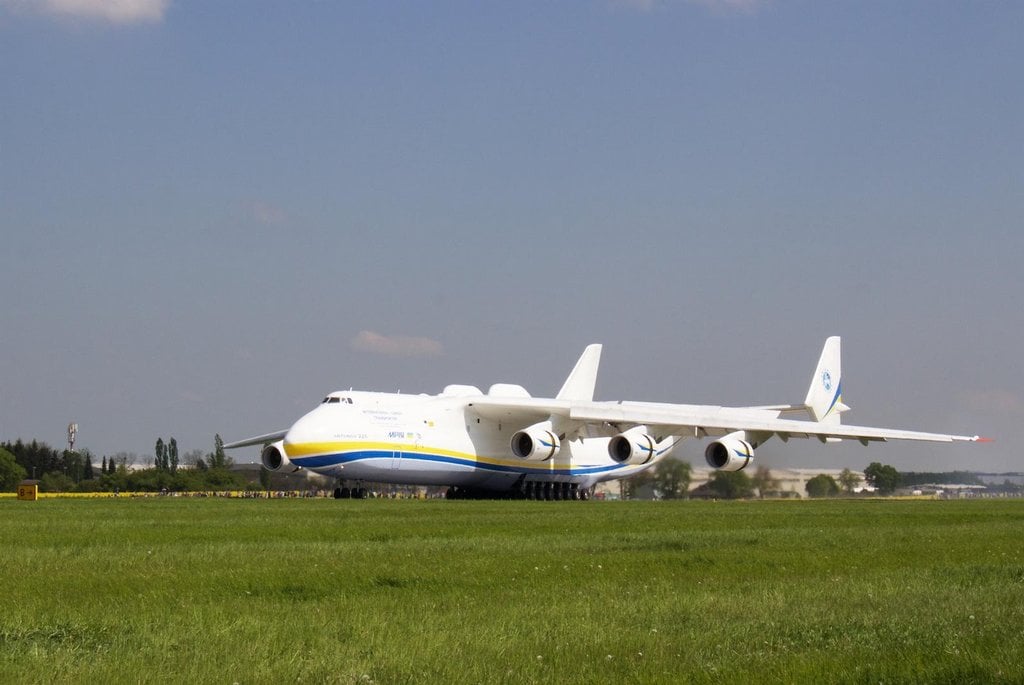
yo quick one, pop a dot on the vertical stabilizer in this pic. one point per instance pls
(580, 383)
(825, 395)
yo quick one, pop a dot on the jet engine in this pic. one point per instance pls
(633, 447)
(536, 443)
(274, 459)
(732, 452)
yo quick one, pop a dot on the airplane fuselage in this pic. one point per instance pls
(435, 440)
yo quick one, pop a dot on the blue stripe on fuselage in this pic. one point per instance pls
(341, 458)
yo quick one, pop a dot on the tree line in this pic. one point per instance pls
(75, 471)
(670, 479)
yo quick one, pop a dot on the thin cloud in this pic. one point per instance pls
(715, 6)
(638, 5)
(731, 6)
(1000, 402)
(396, 345)
(267, 214)
(191, 397)
(112, 11)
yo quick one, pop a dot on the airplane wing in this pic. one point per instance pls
(691, 420)
(258, 440)
(703, 421)
(574, 407)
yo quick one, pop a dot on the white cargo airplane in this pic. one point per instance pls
(509, 442)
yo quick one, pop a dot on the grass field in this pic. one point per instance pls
(168, 590)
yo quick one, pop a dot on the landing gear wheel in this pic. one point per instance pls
(337, 493)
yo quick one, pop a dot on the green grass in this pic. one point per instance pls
(168, 590)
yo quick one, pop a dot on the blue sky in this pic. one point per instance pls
(214, 213)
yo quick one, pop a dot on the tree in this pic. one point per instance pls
(35, 457)
(265, 478)
(628, 487)
(882, 477)
(124, 459)
(671, 478)
(218, 460)
(763, 481)
(159, 458)
(731, 484)
(11, 472)
(73, 466)
(103, 466)
(55, 481)
(822, 485)
(194, 458)
(172, 456)
(87, 471)
(849, 480)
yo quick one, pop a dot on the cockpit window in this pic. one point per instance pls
(337, 400)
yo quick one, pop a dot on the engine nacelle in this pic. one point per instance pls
(732, 452)
(274, 459)
(536, 443)
(633, 447)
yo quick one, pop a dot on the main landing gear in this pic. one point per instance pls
(351, 493)
(555, 491)
(530, 490)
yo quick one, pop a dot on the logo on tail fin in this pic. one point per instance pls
(826, 379)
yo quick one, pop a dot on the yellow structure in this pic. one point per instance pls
(28, 490)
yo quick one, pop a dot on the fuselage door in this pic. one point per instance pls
(409, 441)
(397, 438)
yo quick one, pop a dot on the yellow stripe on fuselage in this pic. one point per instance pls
(311, 449)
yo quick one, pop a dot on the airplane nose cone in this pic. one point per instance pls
(305, 431)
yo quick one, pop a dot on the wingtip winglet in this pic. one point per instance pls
(978, 438)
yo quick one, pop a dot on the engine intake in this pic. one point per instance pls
(733, 452)
(274, 459)
(633, 447)
(536, 443)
